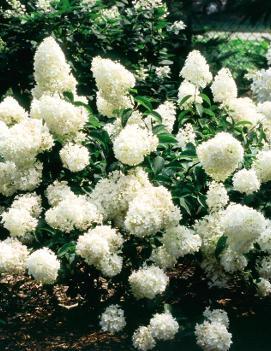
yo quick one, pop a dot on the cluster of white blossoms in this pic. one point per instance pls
(217, 196)
(75, 157)
(43, 265)
(242, 225)
(110, 13)
(246, 181)
(63, 119)
(263, 287)
(147, 4)
(186, 135)
(51, 71)
(261, 84)
(21, 219)
(45, 5)
(220, 156)
(188, 89)
(112, 319)
(224, 87)
(176, 27)
(151, 211)
(13, 256)
(196, 70)
(134, 143)
(11, 112)
(243, 109)
(162, 72)
(100, 247)
(213, 333)
(113, 82)
(262, 165)
(72, 212)
(167, 111)
(232, 261)
(148, 282)
(162, 326)
(179, 241)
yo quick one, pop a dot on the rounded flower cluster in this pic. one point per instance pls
(263, 287)
(212, 334)
(63, 119)
(186, 135)
(261, 84)
(99, 247)
(186, 89)
(13, 256)
(114, 82)
(143, 339)
(73, 212)
(11, 112)
(148, 282)
(43, 265)
(112, 319)
(262, 165)
(163, 326)
(224, 87)
(220, 156)
(242, 225)
(21, 218)
(150, 211)
(51, 71)
(162, 258)
(217, 196)
(246, 181)
(180, 241)
(75, 157)
(167, 111)
(134, 143)
(196, 70)
(243, 109)
(24, 141)
(233, 261)
(264, 267)
(265, 239)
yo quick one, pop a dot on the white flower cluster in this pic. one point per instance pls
(43, 265)
(242, 225)
(264, 267)
(150, 211)
(224, 87)
(44, 5)
(261, 84)
(21, 219)
(162, 71)
(176, 27)
(114, 82)
(17, 9)
(265, 239)
(112, 195)
(263, 287)
(75, 157)
(220, 156)
(196, 70)
(11, 112)
(188, 89)
(180, 241)
(246, 181)
(147, 4)
(262, 165)
(134, 143)
(70, 211)
(99, 247)
(112, 319)
(243, 109)
(63, 119)
(162, 326)
(148, 282)
(51, 71)
(186, 135)
(212, 334)
(217, 196)
(13, 256)
(233, 261)
(167, 111)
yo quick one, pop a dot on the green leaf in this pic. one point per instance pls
(125, 115)
(166, 138)
(158, 164)
(67, 248)
(199, 109)
(220, 246)
(206, 99)
(184, 99)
